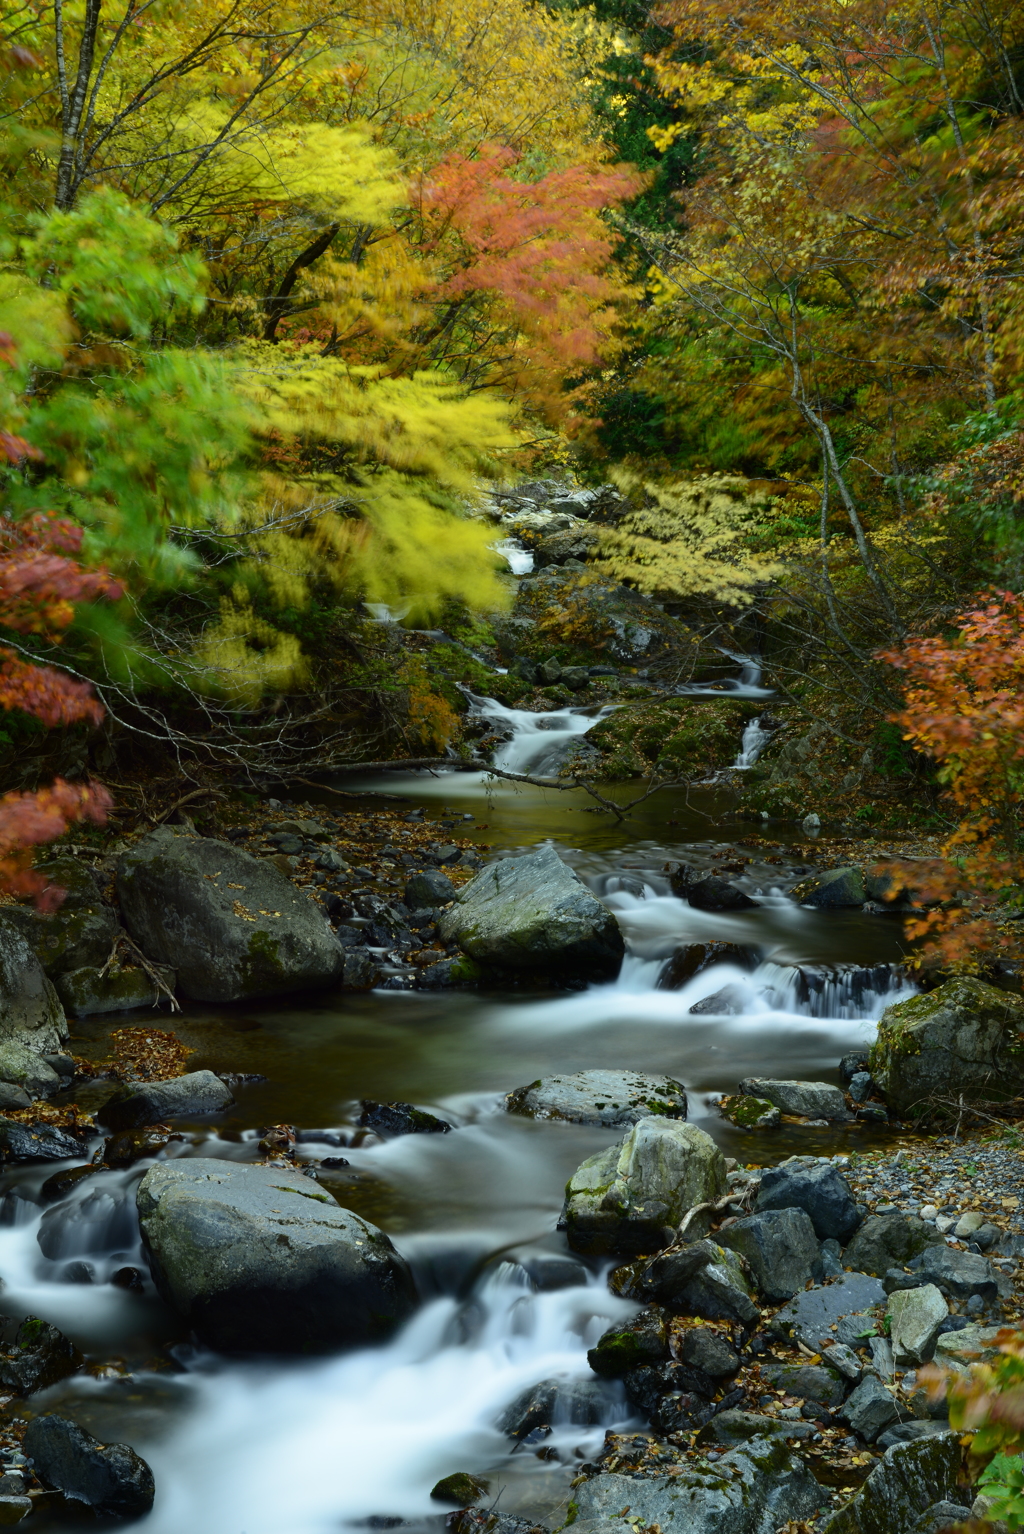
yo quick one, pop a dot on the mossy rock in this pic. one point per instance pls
(963, 1040)
(751, 1112)
(461, 1488)
(685, 736)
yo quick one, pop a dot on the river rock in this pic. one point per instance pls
(807, 1099)
(909, 1478)
(754, 1489)
(707, 1350)
(972, 1344)
(261, 1259)
(533, 913)
(965, 1038)
(91, 991)
(699, 1278)
(460, 1488)
(580, 1402)
(808, 1382)
(810, 1317)
(832, 890)
(780, 1249)
(111, 1478)
(231, 925)
(626, 1198)
(716, 894)
(36, 1142)
(696, 957)
(400, 1119)
(429, 889)
(151, 1102)
(750, 1112)
(941, 1516)
(915, 1316)
(819, 1189)
(730, 1001)
(632, 1344)
(30, 1010)
(612, 1098)
(735, 1427)
(22, 1067)
(870, 1408)
(75, 935)
(887, 1240)
(41, 1356)
(958, 1274)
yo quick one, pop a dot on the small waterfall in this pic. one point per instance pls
(746, 685)
(836, 990)
(753, 743)
(520, 560)
(538, 742)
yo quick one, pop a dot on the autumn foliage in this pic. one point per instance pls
(964, 706)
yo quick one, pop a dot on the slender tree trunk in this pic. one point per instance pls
(73, 100)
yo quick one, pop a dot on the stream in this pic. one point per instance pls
(305, 1447)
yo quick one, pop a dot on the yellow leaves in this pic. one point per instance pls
(337, 172)
(245, 656)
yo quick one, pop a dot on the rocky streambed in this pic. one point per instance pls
(506, 1170)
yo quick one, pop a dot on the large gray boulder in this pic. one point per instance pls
(699, 1278)
(964, 1039)
(30, 1011)
(915, 1317)
(231, 925)
(612, 1098)
(820, 1189)
(262, 1259)
(150, 1102)
(889, 1240)
(533, 913)
(812, 1317)
(753, 1489)
(780, 1248)
(807, 1099)
(627, 1199)
(909, 1478)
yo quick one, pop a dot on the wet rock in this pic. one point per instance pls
(360, 971)
(580, 1402)
(808, 1099)
(808, 1382)
(65, 1181)
(13, 1097)
(957, 1274)
(111, 1478)
(832, 890)
(885, 1240)
(461, 1488)
(820, 1190)
(753, 1489)
(448, 974)
(533, 913)
(707, 1350)
(915, 1317)
(13, 1509)
(429, 889)
(630, 1344)
(610, 1098)
(151, 1102)
(870, 1408)
(965, 1038)
(751, 1112)
(42, 1355)
(36, 1142)
(736, 1427)
(809, 1317)
(30, 1010)
(23, 1067)
(850, 1065)
(728, 1002)
(401, 1119)
(261, 1259)
(628, 1198)
(780, 1249)
(132, 1145)
(716, 894)
(698, 1279)
(696, 957)
(232, 925)
(840, 1357)
(91, 991)
(908, 1479)
(74, 936)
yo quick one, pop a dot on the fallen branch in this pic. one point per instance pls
(138, 958)
(620, 811)
(197, 793)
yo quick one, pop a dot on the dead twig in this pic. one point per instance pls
(137, 958)
(197, 793)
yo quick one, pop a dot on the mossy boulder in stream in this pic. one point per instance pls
(534, 914)
(231, 925)
(684, 737)
(628, 1199)
(965, 1038)
(259, 1259)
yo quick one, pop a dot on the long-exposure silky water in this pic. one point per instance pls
(257, 1446)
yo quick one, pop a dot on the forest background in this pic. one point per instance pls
(286, 286)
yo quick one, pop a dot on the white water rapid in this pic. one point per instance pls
(536, 743)
(753, 743)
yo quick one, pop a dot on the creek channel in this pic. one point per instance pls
(310, 1446)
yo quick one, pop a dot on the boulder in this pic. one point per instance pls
(30, 1011)
(870, 1408)
(754, 1489)
(832, 890)
(151, 1102)
(716, 894)
(887, 1240)
(429, 889)
(915, 1316)
(75, 935)
(400, 1119)
(696, 957)
(909, 1478)
(111, 1478)
(41, 1356)
(699, 1278)
(627, 1199)
(965, 1038)
(461, 1488)
(91, 991)
(751, 1112)
(735, 1427)
(808, 1382)
(707, 1350)
(631, 1344)
(958, 1274)
(941, 1516)
(730, 1001)
(533, 913)
(580, 1402)
(811, 1316)
(231, 925)
(36, 1142)
(819, 1189)
(261, 1259)
(780, 1249)
(971, 1344)
(807, 1099)
(612, 1098)
(22, 1067)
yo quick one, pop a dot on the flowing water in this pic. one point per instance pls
(306, 1447)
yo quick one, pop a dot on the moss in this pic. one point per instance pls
(683, 735)
(465, 971)
(750, 1112)
(262, 961)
